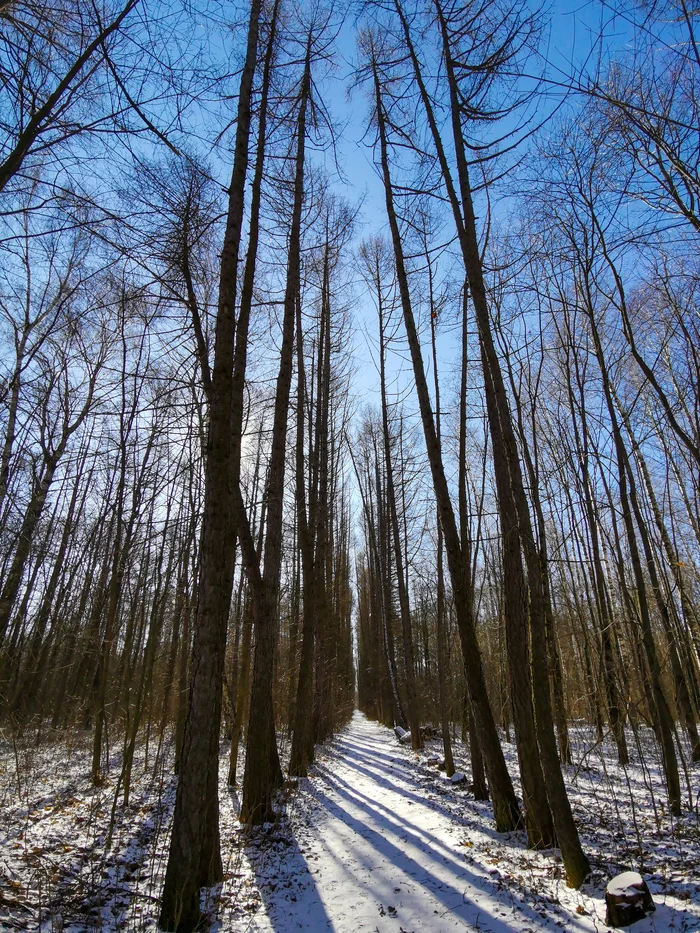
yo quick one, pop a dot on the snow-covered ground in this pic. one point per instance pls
(377, 840)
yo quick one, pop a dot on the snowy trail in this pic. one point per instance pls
(382, 849)
(380, 841)
(376, 839)
(376, 850)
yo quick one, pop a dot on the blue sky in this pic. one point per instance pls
(573, 28)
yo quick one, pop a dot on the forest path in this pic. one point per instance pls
(379, 845)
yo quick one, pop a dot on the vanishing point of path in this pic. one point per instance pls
(375, 848)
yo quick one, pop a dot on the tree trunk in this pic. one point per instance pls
(505, 805)
(263, 774)
(194, 858)
(404, 608)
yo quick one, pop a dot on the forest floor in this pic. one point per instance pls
(377, 839)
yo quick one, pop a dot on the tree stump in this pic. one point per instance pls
(627, 899)
(401, 734)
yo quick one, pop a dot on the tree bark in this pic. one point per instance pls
(194, 858)
(505, 805)
(263, 774)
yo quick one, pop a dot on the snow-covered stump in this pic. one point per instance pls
(401, 734)
(627, 899)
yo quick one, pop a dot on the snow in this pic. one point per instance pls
(628, 884)
(376, 839)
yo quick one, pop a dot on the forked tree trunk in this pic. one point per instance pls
(194, 858)
(505, 805)
(263, 774)
(512, 498)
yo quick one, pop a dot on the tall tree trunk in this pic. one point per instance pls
(440, 614)
(683, 697)
(513, 507)
(302, 741)
(469, 548)
(322, 573)
(404, 608)
(243, 680)
(505, 805)
(603, 613)
(630, 510)
(263, 774)
(194, 858)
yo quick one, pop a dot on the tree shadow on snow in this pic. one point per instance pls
(285, 881)
(477, 809)
(426, 860)
(435, 868)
